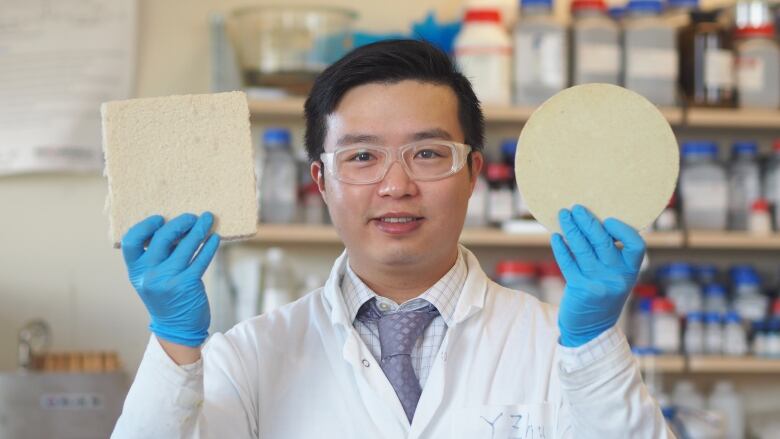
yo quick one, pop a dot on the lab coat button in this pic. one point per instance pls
(366, 363)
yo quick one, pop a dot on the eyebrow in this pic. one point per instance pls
(433, 133)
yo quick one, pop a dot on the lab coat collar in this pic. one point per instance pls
(471, 300)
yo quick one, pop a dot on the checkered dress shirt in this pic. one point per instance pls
(443, 295)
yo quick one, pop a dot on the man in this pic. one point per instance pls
(408, 338)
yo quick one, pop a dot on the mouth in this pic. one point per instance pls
(398, 223)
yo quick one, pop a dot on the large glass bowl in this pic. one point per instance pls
(287, 46)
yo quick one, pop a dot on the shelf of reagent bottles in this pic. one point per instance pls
(478, 237)
(731, 240)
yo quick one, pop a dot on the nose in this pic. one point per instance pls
(397, 183)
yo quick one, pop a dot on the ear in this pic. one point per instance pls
(477, 162)
(317, 173)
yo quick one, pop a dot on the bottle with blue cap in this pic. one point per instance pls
(713, 333)
(734, 337)
(703, 187)
(748, 296)
(706, 274)
(744, 183)
(693, 338)
(540, 54)
(278, 179)
(715, 298)
(682, 289)
(650, 53)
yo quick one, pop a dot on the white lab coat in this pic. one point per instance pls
(302, 371)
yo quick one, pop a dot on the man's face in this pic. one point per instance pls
(392, 115)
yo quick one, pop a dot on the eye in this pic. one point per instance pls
(427, 154)
(360, 156)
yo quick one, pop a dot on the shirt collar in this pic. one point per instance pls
(443, 294)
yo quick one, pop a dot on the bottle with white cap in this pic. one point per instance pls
(595, 49)
(483, 52)
(650, 53)
(540, 54)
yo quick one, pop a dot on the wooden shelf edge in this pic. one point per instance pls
(732, 118)
(662, 363)
(731, 240)
(721, 364)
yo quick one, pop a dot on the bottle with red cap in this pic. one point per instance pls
(666, 326)
(483, 52)
(758, 56)
(519, 276)
(595, 48)
(770, 186)
(500, 205)
(760, 220)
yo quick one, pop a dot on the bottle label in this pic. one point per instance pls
(651, 63)
(598, 59)
(540, 59)
(500, 205)
(718, 68)
(704, 196)
(488, 69)
(750, 73)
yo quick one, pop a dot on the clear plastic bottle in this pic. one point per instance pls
(279, 181)
(693, 339)
(278, 281)
(642, 324)
(725, 401)
(703, 187)
(650, 53)
(483, 52)
(715, 299)
(682, 290)
(518, 276)
(734, 337)
(540, 54)
(748, 297)
(771, 182)
(595, 44)
(666, 326)
(713, 334)
(744, 183)
(758, 56)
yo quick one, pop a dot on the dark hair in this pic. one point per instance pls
(389, 62)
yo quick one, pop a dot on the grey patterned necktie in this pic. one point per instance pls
(398, 332)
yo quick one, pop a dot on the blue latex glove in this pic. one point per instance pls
(599, 276)
(166, 276)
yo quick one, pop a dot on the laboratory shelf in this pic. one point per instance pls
(720, 364)
(478, 237)
(732, 118)
(292, 107)
(732, 240)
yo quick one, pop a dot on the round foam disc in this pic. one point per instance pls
(601, 146)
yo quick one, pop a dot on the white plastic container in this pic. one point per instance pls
(693, 339)
(749, 300)
(758, 67)
(703, 187)
(595, 47)
(279, 181)
(725, 401)
(540, 54)
(650, 53)
(744, 183)
(519, 276)
(483, 52)
(760, 218)
(685, 395)
(666, 326)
